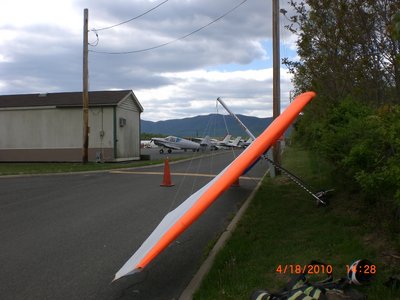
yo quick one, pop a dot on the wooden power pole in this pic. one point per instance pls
(276, 77)
(85, 152)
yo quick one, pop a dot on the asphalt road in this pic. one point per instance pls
(65, 236)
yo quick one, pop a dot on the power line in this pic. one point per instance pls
(175, 40)
(134, 18)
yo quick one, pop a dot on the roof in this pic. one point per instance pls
(69, 99)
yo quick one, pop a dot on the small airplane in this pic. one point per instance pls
(176, 143)
(233, 144)
(212, 144)
(247, 143)
(206, 143)
(219, 144)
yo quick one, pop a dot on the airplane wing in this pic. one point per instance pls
(170, 145)
(178, 220)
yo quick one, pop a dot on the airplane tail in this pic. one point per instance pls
(206, 141)
(226, 139)
(236, 141)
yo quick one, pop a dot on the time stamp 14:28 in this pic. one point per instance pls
(323, 269)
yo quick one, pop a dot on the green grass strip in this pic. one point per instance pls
(283, 226)
(45, 168)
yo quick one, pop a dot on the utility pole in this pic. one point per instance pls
(276, 90)
(85, 94)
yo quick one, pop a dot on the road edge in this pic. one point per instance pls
(106, 170)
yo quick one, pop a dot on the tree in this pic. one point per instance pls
(349, 55)
(345, 48)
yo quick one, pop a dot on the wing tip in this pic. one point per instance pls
(118, 276)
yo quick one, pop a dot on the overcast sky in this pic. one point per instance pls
(41, 51)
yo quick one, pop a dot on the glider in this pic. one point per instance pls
(178, 220)
(319, 196)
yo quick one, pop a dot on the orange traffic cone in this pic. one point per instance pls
(167, 175)
(236, 183)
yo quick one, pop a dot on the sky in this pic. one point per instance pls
(41, 49)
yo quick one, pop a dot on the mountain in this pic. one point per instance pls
(212, 125)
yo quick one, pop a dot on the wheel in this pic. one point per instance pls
(161, 151)
(169, 150)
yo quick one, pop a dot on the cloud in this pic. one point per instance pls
(41, 51)
(195, 92)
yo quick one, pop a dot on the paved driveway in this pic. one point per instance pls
(65, 236)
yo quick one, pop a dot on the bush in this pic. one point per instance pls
(380, 177)
(363, 144)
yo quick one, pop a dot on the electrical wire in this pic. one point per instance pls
(175, 40)
(97, 39)
(134, 18)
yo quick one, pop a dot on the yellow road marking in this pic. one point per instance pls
(178, 174)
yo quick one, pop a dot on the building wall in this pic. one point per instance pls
(56, 134)
(101, 133)
(128, 135)
(40, 128)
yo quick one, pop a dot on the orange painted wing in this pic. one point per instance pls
(178, 220)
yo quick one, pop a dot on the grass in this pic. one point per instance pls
(23, 168)
(283, 226)
(45, 168)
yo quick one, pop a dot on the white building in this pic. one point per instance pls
(49, 127)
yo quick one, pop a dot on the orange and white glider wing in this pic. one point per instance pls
(178, 220)
(137, 261)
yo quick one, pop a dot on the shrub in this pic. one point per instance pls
(363, 144)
